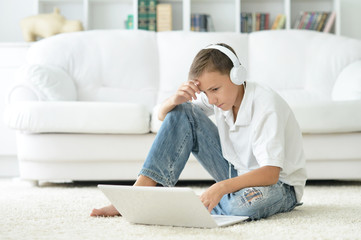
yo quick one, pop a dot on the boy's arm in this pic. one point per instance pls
(186, 92)
(263, 176)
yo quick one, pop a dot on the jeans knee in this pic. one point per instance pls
(179, 110)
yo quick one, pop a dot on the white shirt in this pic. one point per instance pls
(265, 133)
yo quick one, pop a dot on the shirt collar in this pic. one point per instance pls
(244, 115)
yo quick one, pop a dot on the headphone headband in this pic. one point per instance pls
(238, 73)
(227, 52)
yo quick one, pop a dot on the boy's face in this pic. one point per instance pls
(219, 89)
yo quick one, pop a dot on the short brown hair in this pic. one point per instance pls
(211, 60)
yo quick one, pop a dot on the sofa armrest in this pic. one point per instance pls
(348, 83)
(42, 83)
(77, 117)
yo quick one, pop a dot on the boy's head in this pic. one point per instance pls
(211, 68)
(211, 60)
(208, 61)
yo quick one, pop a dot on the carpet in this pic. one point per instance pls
(331, 210)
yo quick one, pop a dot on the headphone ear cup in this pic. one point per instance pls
(238, 75)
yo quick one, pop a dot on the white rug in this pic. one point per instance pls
(61, 211)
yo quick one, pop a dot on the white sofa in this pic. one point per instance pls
(83, 104)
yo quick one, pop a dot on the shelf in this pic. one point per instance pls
(221, 22)
(273, 7)
(225, 14)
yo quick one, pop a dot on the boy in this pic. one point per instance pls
(254, 154)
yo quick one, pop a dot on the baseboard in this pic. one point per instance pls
(9, 166)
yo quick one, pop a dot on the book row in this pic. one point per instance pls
(318, 21)
(202, 23)
(251, 22)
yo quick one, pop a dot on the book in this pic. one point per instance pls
(266, 24)
(310, 20)
(282, 22)
(305, 20)
(302, 21)
(298, 20)
(314, 21)
(210, 25)
(276, 22)
(201, 22)
(152, 15)
(164, 17)
(318, 20)
(258, 21)
(330, 22)
(142, 14)
(321, 26)
(244, 22)
(251, 22)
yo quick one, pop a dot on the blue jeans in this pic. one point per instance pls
(185, 130)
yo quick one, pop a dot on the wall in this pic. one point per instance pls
(351, 17)
(11, 12)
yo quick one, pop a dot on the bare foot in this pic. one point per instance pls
(108, 211)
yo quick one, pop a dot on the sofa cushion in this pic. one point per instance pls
(46, 82)
(177, 50)
(348, 83)
(78, 117)
(106, 65)
(329, 116)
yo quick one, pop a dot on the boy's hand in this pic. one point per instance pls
(186, 92)
(212, 196)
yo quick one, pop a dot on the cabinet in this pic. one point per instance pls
(225, 14)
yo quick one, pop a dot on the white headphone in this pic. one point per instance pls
(238, 73)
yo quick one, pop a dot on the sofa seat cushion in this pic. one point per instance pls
(78, 117)
(329, 116)
(313, 117)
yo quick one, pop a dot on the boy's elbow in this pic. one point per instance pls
(161, 117)
(274, 174)
(275, 179)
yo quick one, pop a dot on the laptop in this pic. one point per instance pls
(174, 206)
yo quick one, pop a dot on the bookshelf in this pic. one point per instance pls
(225, 14)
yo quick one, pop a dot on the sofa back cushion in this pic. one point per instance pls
(106, 65)
(303, 63)
(177, 50)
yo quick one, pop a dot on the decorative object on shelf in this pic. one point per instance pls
(129, 23)
(202, 23)
(164, 17)
(46, 25)
(251, 22)
(318, 21)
